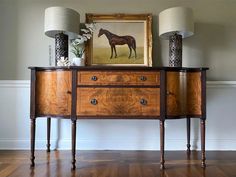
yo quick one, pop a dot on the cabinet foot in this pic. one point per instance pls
(73, 166)
(188, 149)
(203, 164)
(32, 161)
(48, 148)
(162, 166)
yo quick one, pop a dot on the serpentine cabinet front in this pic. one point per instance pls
(159, 93)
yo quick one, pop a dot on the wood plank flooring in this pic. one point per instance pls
(117, 164)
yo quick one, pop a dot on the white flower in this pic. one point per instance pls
(85, 39)
(85, 30)
(63, 62)
(88, 36)
(77, 44)
(79, 40)
(90, 26)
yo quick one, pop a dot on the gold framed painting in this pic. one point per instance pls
(120, 40)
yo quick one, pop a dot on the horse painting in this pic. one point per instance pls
(114, 40)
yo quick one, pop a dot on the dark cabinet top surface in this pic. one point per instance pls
(107, 68)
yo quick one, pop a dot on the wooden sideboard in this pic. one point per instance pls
(159, 93)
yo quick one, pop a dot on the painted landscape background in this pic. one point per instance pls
(102, 50)
(102, 56)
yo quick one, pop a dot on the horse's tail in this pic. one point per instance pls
(134, 43)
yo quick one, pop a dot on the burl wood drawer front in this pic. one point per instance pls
(183, 93)
(118, 101)
(118, 78)
(53, 92)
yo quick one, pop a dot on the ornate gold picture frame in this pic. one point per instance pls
(120, 40)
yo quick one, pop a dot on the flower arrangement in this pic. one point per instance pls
(63, 62)
(78, 44)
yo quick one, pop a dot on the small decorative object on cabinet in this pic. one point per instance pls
(77, 45)
(174, 24)
(78, 61)
(142, 92)
(63, 62)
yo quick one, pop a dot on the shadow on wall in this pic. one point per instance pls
(204, 46)
(200, 47)
(156, 54)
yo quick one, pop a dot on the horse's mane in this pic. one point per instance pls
(110, 32)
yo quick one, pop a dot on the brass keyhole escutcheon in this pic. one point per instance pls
(94, 78)
(143, 78)
(94, 102)
(143, 102)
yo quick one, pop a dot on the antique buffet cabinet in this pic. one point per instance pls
(158, 93)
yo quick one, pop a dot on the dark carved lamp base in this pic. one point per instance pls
(175, 50)
(61, 46)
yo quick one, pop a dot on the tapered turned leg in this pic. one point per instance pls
(203, 130)
(162, 143)
(32, 141)
(188, 135)
(48, 133)
(73, 143)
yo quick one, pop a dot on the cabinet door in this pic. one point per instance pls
(194, 94)
(184, 94)
(53, 90)
(176, 93)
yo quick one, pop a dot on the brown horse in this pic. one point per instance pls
(119, 40)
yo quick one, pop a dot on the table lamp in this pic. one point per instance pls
(62, 24)
(174, 24)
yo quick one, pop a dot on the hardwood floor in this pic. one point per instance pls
(117, 164)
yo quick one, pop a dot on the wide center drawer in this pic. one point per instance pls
(118, 101)
(118, 78)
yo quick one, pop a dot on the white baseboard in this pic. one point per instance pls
(170, 144)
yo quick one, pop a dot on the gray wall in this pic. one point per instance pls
(24, 44)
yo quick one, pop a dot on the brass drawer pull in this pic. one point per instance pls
(94, 102)
(143, 102)
(94, 78)
(143, 78)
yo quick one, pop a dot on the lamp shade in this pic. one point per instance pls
(61, 20)
(176, 20)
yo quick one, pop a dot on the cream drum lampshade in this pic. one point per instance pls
(61, 23)
(174, 24)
